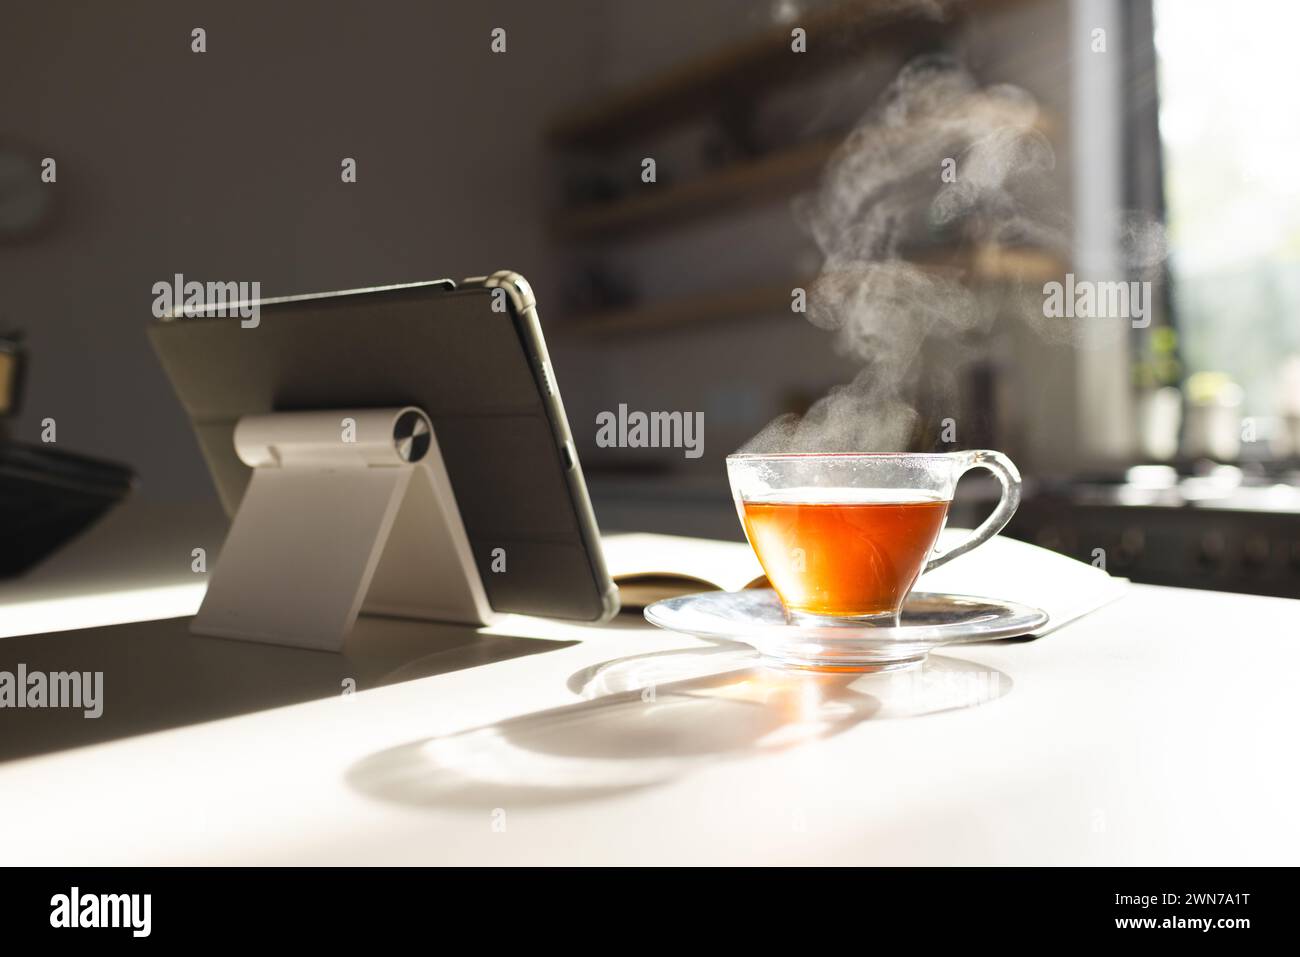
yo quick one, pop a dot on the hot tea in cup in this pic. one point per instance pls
(844, 537)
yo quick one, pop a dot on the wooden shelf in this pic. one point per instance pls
(743, 72)
(991, 263)
(762, 180)
(743, 303)
(979, 265)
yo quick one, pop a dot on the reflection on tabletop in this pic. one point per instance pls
(648, 719)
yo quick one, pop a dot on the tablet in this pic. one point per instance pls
(471, 355)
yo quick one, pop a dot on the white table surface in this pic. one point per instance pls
(1159, 730)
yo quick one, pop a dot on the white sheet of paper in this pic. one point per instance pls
(1016, 571)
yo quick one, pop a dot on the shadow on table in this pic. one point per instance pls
(649, 719)
(156, 675)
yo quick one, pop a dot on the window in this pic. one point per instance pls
(1230, 128)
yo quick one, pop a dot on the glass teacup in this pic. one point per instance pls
(843, 537)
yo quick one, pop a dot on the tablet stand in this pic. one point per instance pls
(347, 511)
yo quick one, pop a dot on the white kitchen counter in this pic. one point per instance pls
(1158, 730)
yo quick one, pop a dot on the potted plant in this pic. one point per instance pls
(1159, 402)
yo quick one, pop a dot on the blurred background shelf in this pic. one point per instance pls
(976, 264)
(709, 307)
(763, 179)
(744, 71)
(991, 263)
(766, 179)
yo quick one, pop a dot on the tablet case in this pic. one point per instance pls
(479, 371)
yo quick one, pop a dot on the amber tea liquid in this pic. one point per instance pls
(844, 553)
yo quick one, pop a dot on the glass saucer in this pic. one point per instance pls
(929, 620)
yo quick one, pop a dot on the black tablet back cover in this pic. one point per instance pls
(446, 351)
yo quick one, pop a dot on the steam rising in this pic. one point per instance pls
(881, 212)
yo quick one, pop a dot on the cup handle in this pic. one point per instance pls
(1008, 477)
